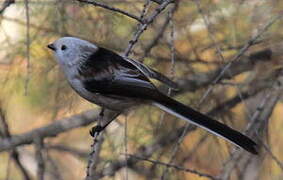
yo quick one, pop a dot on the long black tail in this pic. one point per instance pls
(184, 112)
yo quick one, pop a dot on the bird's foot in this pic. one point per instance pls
(96, 130)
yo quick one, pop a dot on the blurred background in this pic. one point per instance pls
(226, 55)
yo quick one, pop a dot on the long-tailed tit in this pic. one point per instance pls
(118, 83)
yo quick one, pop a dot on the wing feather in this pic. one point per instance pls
(107, 73)
(151, 73)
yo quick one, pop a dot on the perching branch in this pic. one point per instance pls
(50, 130)
(105, 117)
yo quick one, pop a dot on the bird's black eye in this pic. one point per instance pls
(63, 47)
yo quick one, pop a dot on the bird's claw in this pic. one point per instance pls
(95, 130)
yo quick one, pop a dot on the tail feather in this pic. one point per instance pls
(186, 113)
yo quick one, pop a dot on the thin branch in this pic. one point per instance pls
(278, 162)
(27, 46)
(168, 165)
(264, 108)
(52, 129)
(143, 27)
(145, 9)
(160, 1)
(155, 40)
(39, 144)
(111, 9)
(93, 159)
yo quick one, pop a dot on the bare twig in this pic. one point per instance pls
(278, 162)
(111, 8)
(155, 40)
(145, 9)
(105, 116)
(268, 101)
(27, 46)
(143, 27)
(94, 155)
(39, 145)
(200, 174)
(159, 1)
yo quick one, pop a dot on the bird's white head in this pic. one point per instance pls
(70, 51)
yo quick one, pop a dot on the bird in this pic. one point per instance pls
(116, 82)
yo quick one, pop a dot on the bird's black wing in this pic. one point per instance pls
(108, 73)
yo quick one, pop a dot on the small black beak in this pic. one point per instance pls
(52, 47)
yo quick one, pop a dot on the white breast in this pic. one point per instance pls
(110, 102)
(76, 83)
